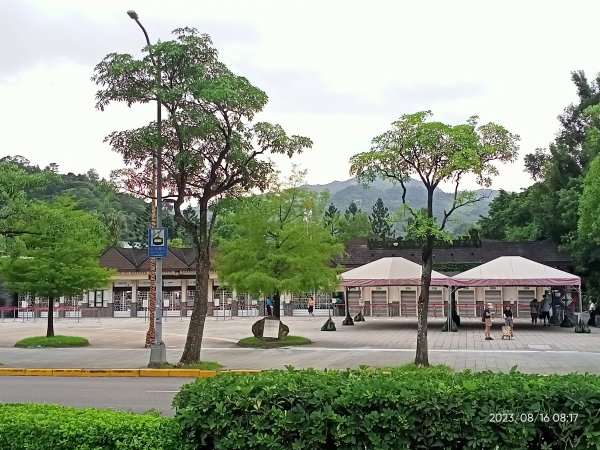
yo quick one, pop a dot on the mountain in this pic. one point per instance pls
(341, 193)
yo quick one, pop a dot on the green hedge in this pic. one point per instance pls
(391, 409)
(53, 427)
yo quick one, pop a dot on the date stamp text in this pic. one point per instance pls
(545, 417)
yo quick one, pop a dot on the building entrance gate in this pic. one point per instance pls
(122, 303)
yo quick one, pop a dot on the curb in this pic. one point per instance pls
(47, 372)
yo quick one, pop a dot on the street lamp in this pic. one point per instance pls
(158, 352)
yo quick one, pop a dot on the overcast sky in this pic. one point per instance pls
(338, 72)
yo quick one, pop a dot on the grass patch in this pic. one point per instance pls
(253, 341)
(55, 341)
(202, 365)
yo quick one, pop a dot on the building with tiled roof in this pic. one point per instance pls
(456, 258)
(128, 293)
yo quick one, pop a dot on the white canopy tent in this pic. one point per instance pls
(518, 271)
(391, 271)
(515, 271)
(502, 271)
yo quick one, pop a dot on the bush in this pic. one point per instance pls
(391, 409)
(53, 427)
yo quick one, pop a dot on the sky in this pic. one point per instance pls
(339, 72)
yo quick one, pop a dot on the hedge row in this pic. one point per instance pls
(53, 427)
(357, 409)
(391, 409)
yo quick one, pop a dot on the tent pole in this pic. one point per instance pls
(449, 318)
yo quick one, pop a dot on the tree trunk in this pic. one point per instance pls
(50, 328)
(193, 342)
(151, 305)
(277, 305)
(422, 355)
(150, 336)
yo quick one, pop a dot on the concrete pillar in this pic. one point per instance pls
(134, 292)
(183, 300)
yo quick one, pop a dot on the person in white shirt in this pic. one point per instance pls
(545, 311)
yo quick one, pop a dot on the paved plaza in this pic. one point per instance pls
(385, 341)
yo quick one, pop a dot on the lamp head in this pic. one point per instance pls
(131, 13)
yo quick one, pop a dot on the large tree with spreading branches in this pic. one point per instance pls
(434, 153)
(211, 145)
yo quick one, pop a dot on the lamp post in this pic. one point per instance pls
(158, 353)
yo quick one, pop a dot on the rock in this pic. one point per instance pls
(258, 329)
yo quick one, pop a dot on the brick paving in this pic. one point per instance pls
(117, 343)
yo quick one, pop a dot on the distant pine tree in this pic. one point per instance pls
(380, 221)
(331, 219)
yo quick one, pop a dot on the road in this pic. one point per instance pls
(127, 394)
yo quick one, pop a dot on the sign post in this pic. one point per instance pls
(157, 242)
(157, 248)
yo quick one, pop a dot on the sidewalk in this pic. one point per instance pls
(118, 343)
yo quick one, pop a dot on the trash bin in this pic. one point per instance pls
(340, 307)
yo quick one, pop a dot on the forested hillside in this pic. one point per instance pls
(342, 193)
(126, 216)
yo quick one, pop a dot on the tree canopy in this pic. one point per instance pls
(15, 184)
(61, 255)
(210, 144)
(560, 205)
(434, 152)
(278, 244)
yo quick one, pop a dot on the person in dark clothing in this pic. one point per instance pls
(487, 318)
(508, 318)
(534, 307)
(592, 310)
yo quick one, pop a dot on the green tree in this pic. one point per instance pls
(380, 220)
(15, 183)
(585, 245)
(119, 210)
(354, 224)
(331, 219)
(211, 145)
(61, 256)
(516, 216)
(277, 246)
(434, 152)
(561, 169)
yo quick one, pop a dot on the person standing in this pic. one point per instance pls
(311, 307)
(487, 318)
(534, 307)
(592, 310)
(508, 318)
(269, 306)
(545, 311)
